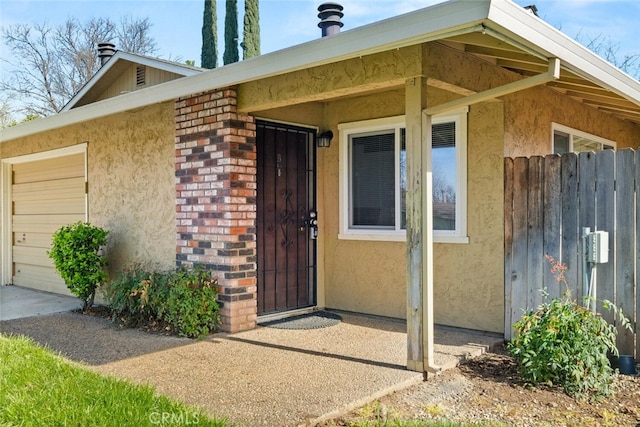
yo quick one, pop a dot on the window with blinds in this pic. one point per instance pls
(374, 182)
(373, 179)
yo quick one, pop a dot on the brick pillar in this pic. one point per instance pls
(215, 167)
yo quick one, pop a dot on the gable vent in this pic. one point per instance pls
(141, 75)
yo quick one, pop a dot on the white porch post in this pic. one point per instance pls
(419, 229)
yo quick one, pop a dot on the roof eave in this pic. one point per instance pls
(508, 18)
(428, 24)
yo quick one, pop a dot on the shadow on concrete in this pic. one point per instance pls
(89, 339)
(318, 353)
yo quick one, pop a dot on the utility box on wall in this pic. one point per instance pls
(598, 247)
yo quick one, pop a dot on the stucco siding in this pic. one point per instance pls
(360, 276)
(530, 114)
(370, 277)
(468, 278)
(131, 180)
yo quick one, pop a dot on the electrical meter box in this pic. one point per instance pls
(598, 247)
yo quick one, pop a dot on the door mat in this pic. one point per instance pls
(315, 320)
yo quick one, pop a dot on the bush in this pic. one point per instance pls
(185, 300)
(76, 254)
(128, 295)
(562, 343)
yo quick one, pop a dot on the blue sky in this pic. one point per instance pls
(177, 23)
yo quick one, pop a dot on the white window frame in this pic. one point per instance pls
(459, 235)
(577, 133)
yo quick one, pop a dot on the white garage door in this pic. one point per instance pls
(46, 195)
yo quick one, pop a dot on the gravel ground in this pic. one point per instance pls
(488, 390)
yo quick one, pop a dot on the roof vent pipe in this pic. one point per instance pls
(105, 52)
(330, 14)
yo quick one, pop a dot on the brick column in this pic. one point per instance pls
(215, 165)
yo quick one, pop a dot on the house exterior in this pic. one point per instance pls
(222, 168)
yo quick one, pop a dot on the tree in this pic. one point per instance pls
(609, 50)
(251, 30)
(231, 32)
(54, 63)
(6, 116)
(209, 53)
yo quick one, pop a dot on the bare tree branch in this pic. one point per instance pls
(52, 64)
(610, 51)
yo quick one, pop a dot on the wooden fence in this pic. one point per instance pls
(547, 202)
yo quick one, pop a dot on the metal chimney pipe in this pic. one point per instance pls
(105, 52)
(330, 14)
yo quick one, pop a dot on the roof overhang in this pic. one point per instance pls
(119, 62)
(498, 30)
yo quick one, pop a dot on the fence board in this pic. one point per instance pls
(551, 218)
(624, 241)
(547, 202)
(587, 194)
(605, 218)
(534, 233)
(508, 244)
(519, 283)
(569, 183)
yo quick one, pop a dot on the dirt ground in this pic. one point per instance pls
(488, 390)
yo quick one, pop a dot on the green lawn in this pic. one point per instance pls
(40, 388)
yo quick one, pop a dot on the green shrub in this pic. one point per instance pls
(76, 254)
(189, 303)
(128, 295)
(562, 343)
(185, 300)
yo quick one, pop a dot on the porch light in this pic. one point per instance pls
(324, 139)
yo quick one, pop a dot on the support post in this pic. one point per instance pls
(420, 352)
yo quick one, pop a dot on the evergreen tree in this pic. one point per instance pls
(209, 54)
(231, 32)
(251, 43)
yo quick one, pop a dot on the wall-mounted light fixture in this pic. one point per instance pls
(324, 139)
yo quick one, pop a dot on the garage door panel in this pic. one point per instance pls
(29, 255)
(39, 240)
(45, 195)
(41, 278)
(51, 207)
(43, 223)
(51, 169)
(58, 189)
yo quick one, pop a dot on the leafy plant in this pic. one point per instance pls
(77, 256)
(129, 294)
(185, 300)
(565, 344)
(190, 306)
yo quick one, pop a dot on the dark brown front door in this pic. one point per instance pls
(286, 196)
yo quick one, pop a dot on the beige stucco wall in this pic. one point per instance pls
(529, 134)
(370, 277)
(131, 180)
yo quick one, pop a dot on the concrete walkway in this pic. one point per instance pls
(263, 377)
(17, 302)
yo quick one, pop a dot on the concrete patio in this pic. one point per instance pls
(266, 376)
(17, 302)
